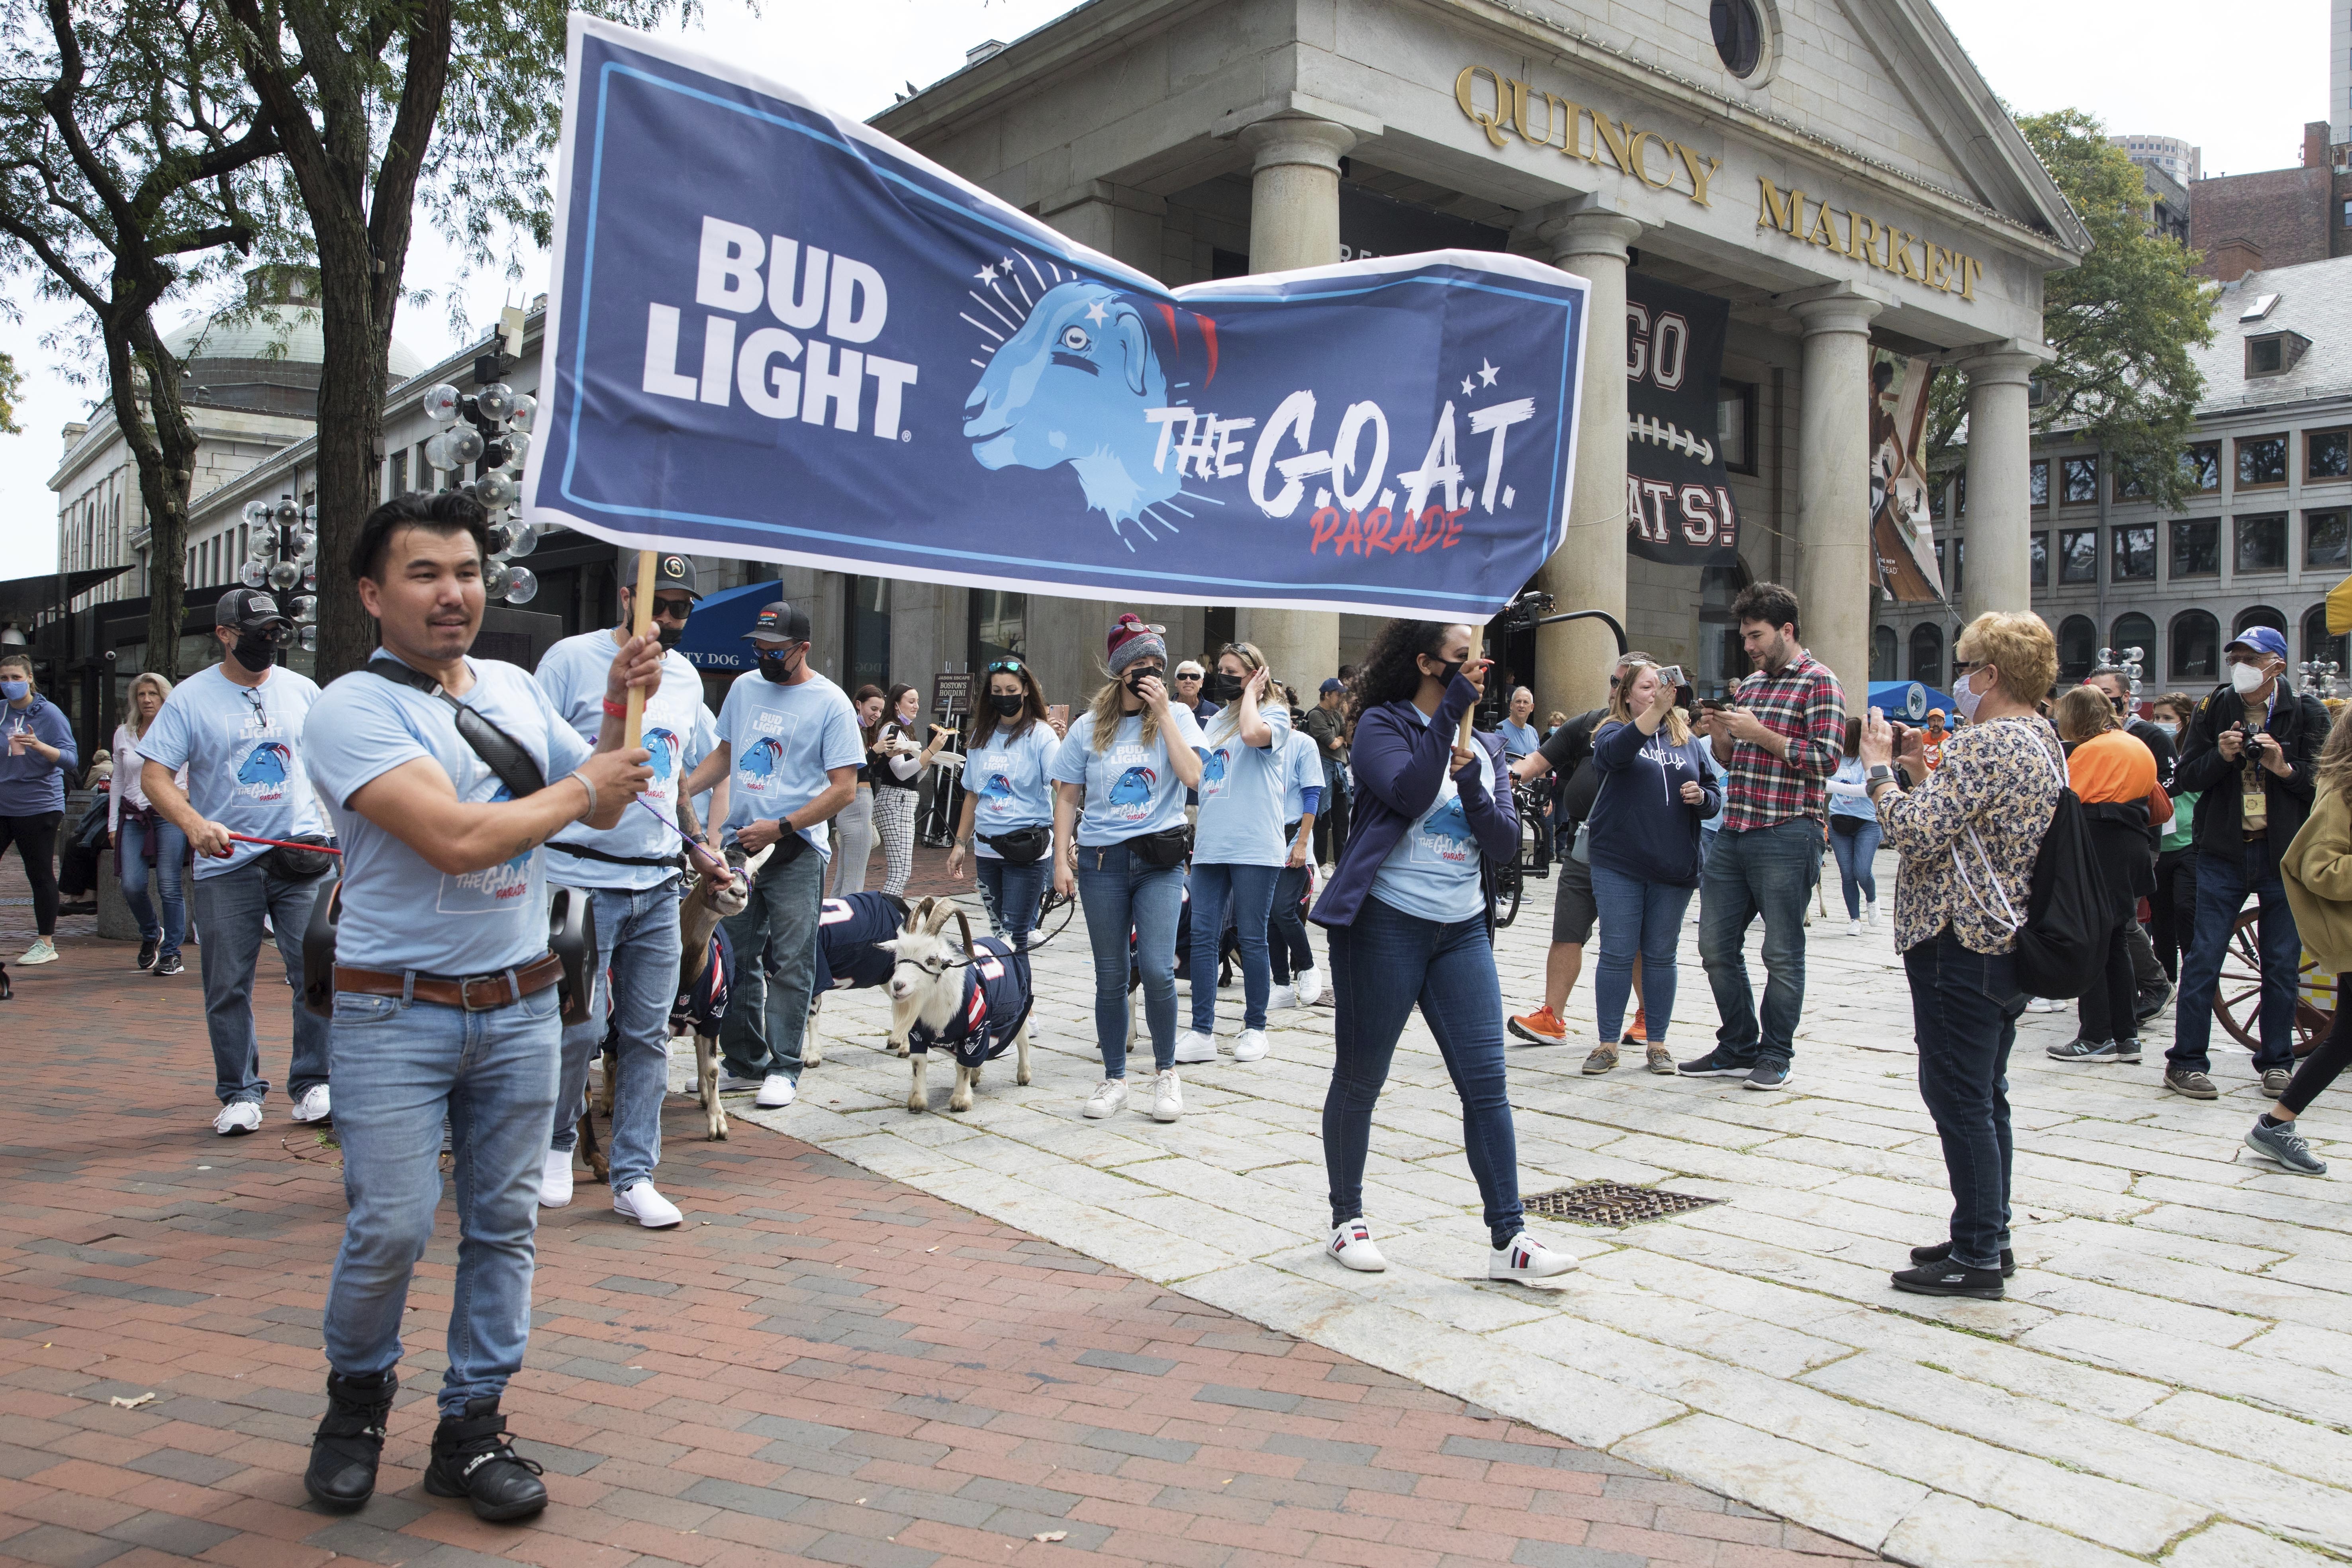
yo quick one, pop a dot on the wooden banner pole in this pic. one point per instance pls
(641, 617)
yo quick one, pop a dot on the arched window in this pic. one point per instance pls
(1885, 651)
(2078, 649)
(2259, 616)
(2196, 646)
(2135, 631)
(2317, 642)
(1928, 654)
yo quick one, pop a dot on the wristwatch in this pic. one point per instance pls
(1879, 773)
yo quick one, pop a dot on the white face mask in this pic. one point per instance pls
(1965, 696)
(2248, 679)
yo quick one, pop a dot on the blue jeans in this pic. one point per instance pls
(1250, 889)
(767, 1012)
(1011, 895)
(1120, 894)
(1857, 855)
(171, 855)
(1766, 871)
(2222, 883)
(1636, 916)
(229, 910)
(637, 968)
(1964, 1012)
(400, 1069)
(1381, 966)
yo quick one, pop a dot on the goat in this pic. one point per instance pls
(969, 997)
(851, 955)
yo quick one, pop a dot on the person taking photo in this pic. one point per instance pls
(1238, 849)
(1005, 828)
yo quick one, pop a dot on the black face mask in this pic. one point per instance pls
(1006, 707)
(670, 636)
(254, 651)
(777, 667)
(1453, 668)
(1136, 677)
(1219, 687)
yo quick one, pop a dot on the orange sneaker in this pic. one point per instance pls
(1541, 1028)
(1638, 1032)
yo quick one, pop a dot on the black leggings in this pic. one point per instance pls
(2330, 1056)
(36, 838)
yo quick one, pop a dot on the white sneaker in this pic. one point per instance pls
(1871, 909)
(555, 1180)
(1854, 927)
(1526, 1258)
(237, 1118)
(1281, 997)
(1193, 1046)
(1309, 988)
(1251, 1045)
(314, 1105)
(1167, 1097)
(1351, 1243)
(776, 1093)
(42, 952)
(730, 1084)
(639, 1201)
(1107, 1099)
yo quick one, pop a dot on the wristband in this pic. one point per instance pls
(586, 785)
(615, 710)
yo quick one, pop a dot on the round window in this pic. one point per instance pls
(1738, 35)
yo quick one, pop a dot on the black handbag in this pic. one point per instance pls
(290, 865)
(1021, 847)
(1167, 848)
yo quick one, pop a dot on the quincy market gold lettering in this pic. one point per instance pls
(1547, 119)
(1880, 245)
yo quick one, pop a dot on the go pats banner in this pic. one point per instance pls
(776, 333)
(1678, 506)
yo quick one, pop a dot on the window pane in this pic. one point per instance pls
(2317, 642)
(2078, 647)
(1883, 645)
(2135, 551)
(2078, 555)
(2262, 543)
(2261, 460)
(2202, 466)
(2039, 482)
(2135, 631)
(1928, 654)
(2330, 454)
(2196, 646)
(2081, 478)
(2197, 549)
(2326, 539)
(1732, 400)
(2038, 553)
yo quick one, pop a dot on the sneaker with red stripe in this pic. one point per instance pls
(1523, 1258)
(1351, 1243)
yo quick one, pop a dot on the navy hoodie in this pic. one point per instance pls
(1641, 827)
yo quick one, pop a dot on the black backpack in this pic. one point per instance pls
(2061, 943)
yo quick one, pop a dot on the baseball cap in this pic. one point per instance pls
(2266, 641)
(671, 571)
(249, 610)
(1332, 683)
(779, 623)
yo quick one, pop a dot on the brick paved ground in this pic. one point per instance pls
(825, 1365)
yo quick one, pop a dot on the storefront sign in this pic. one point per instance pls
(1883, 246)
(776, 333)
(1504, 107)
(1678, 506)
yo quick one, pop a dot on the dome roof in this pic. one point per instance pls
(288, 333)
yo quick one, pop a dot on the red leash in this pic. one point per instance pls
(276, 844)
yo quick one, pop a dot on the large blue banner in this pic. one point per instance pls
(775, 334)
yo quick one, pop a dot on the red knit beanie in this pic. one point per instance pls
(1131, 638)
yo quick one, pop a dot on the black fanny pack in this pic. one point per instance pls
(1167, 848)
(299, 865)
(1845, 827)
(1023, 845)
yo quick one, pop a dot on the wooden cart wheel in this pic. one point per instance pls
(1508, 888)
(2237, 1000)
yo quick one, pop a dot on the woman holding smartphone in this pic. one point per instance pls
(1118, 828)
(1238, 849)
(854, 828)
(1006, 827)
(898, 759)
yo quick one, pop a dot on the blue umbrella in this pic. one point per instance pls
(714, 632)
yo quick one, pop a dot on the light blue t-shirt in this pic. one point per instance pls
(1519, 739)
(1714, 824)
(1432, 872)
(242, 746)
(399, 913)
(1304, 772)
(1130, 788)
(1010, 784)
(782, 741)
(1241, 818)
(679, 733)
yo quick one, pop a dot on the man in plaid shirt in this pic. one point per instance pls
(1780, 740)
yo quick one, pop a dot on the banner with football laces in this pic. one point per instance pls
(1678, 505)
(775, 334)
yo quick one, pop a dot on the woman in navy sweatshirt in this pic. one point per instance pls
(39, 759)
(1656, 790)
(1411, 912)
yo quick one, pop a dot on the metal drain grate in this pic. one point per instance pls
(1613, 1204)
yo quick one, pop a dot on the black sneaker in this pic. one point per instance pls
(1768, 1074)
(1942, 1250)
(1714, 1065)
(1929, 1280)
(472, 1460)
(2152, 1002)
(147, 946)
(167, 966)
(348, 1443)
(2082, 1051)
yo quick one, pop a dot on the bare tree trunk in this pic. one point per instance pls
(165, 452)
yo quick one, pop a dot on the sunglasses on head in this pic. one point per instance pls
(1005, 667)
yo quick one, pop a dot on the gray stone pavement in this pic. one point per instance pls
(2169, 1380)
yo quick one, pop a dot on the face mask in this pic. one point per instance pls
(1220, 687)
(1136, 677)
(1965, 697)
(1453, 668)
(1006, 707)
(777, 667)
(254, 651)
(2170, 728)
(15, 691)
(2248, 679)
(670, 636)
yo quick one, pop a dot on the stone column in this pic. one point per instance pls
(1294, 223)
(1587, 572)
(1834, 551)
(2001, 447)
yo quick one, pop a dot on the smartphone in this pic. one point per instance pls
(1715, 704)
(1058, 712)
(1672, 675)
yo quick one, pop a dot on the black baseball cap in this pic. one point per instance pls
(779, 623)
(671, 571)
(249, 610)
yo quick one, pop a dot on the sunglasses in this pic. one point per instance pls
(1189, 674)
(673, 609)
(1005, 667)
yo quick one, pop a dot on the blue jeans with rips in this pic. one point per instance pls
(1767, 871)
(163, 876)
(767, 1012)
(401, 1066)
(1250, 889)
(1121, 894)
(2222, 883)
(636, 965)
(229, 910)
(1636, 917)
(1382, 968)
(1011, 895)
(1964, 1011)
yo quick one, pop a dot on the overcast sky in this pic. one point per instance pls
(2168, 67)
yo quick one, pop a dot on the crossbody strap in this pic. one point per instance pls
(500, 753)
(1992, 879)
